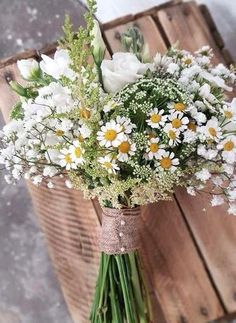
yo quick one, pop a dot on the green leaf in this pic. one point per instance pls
(17, 112)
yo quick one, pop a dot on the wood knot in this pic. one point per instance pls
(8, 76)
(203, 311)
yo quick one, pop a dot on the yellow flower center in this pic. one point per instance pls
(166, 163)
(68, 159)
(124, 147)
(172, 135)
(179, 106)
(212, 132)
(107, 165)
(188, 61)
(59, 133)
(80, 138)
(192, 126)
(78, 152)
(176, 123)
(110, 135)
(154, 147)
(228, 146)
(85, 113)
(228, 114)
(155, 118)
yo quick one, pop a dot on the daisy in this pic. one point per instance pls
(173, 135)
(126, 124)
(111, 135)
(154, 149)
(168, 161)
(109, 164)
(228, 145)
(126, 149)
(76, 152)
(179, 121)
(157, 118)
(66, 160)
(212, 129)
(229, 113)
(187, 59)
(178, 106)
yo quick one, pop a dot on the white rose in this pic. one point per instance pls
(124, 68)
(59, 66)
(29, 68)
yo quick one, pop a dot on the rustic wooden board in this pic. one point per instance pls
(215, 234)
(184, 23)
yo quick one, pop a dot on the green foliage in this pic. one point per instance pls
(17, 112)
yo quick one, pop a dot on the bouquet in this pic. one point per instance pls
(127, 130)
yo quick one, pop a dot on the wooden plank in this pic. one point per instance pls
(185, 24)
(175, 270)
(148, 28)
(215, 234)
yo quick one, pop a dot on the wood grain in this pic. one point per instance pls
(184, 24)
(215, 234)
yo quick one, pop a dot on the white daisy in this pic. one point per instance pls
(76, 152)
(228, 145)
(212, 130)
(109, 164)
(66, 160)
(154, 149)
(126, 149)
(111, 135)
(157, 118)
(179, 121)
(229, 113)
(168, 161)
(177, 107)
(188, 59)
(126, 124)
(173, 135)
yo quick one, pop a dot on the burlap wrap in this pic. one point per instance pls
(120, 230)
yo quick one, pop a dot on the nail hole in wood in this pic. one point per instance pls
(8, 77)
(183, 319)
(169, 16)
(234, 296)
(204, 311)
(117, 35)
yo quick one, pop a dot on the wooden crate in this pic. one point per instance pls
(189, 255)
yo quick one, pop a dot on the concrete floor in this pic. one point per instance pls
(29, 292)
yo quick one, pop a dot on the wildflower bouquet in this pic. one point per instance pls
(125, 130)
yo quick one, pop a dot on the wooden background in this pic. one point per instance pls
(188, 247)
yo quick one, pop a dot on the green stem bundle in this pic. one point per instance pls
(121, 295)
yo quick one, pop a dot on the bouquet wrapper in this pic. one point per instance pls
(121, 294)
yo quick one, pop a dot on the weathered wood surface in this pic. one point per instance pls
(188, 254)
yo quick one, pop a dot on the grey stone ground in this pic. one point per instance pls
(29, 291)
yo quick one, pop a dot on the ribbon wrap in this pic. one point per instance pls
(120, 230)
